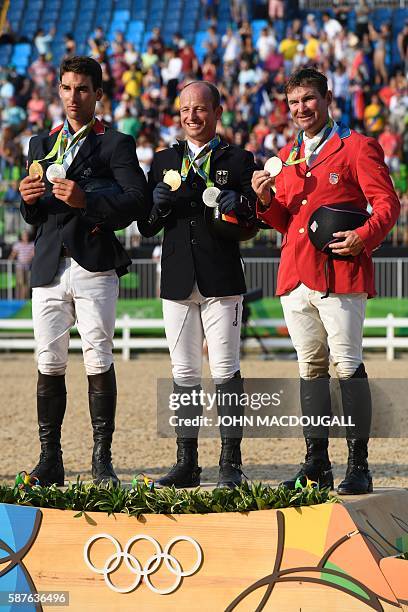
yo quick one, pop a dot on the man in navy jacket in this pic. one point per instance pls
(84, 182)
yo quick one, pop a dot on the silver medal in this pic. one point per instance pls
(210, 195)
(55, 171)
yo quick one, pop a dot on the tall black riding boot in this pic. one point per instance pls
(51, 404)
(315, 402)
(358, 478)
(229, 406)
(356, 398)
(316, 467)
(186, 471)
(102, 407)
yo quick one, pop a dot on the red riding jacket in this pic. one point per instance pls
(349, 168)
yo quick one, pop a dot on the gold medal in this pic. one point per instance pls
(173, 179)
(36, 170)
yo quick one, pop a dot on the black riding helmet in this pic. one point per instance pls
(331, 218)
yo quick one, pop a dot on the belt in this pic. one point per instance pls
(65, 252)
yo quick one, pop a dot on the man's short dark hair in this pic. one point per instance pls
(81, 64)
(215, 94)
(307, 77)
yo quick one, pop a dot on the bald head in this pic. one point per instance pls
(199, 111)
(206, 85)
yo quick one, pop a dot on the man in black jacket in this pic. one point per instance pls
(94, 186)
(202, 279)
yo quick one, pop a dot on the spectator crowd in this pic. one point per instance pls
(141, 89)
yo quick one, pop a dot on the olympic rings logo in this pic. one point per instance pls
(135, 567)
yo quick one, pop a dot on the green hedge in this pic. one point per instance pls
(143, 499)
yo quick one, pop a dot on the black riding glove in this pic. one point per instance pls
(231, 201)
(163, 199)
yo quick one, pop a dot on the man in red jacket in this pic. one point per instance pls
(327, 164)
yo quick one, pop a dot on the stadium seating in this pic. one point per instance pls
(137, 18)
(380, 16)
(5, 54)
(20, 57)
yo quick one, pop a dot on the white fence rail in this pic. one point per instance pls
(125, 342)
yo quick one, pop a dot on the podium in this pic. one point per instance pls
(333, 556)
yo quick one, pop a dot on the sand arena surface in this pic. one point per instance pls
(137, 448)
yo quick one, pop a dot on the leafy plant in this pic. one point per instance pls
(145, 499)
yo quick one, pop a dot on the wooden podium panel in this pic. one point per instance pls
(339, 554)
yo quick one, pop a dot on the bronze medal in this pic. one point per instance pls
(274, 166)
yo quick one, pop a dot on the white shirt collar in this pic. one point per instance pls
(195, 149)
(316, 137)
(312, 146)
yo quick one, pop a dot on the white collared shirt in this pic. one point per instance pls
(69, 157)
(310, 143)
(196, 150)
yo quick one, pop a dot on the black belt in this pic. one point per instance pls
(65, 252)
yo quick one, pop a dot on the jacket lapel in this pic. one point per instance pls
(179, 147)
(220, 150)
(91, 144)
(47, 147)
(303, 165)
(333, 145)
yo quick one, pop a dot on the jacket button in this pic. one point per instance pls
(302, 229)
(194, 185)
(193, 204)
(308, 174)
(193, 241)
(193, 223)
(304, 202)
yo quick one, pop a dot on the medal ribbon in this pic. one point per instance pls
(294, 152)
(60, 147)
(203, 169)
